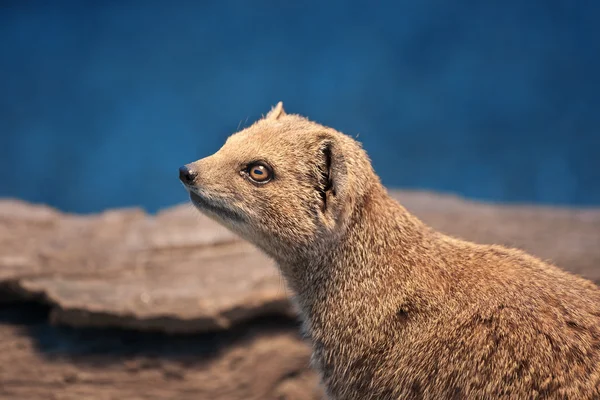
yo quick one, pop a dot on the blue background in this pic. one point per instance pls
(102, 101)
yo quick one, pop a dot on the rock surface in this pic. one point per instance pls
(175, 306)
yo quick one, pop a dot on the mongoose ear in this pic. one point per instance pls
(325, 186)
(276, 112)
(331, 183)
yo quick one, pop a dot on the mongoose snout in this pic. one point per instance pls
(186, 175)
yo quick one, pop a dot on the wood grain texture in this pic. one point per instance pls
(127, 305)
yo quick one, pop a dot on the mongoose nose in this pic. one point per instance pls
(186, 175)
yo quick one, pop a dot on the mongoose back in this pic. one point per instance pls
(392, 308)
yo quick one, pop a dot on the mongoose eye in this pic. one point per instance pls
(260, 172)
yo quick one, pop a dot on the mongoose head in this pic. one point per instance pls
(286, 184)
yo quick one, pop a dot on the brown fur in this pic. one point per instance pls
(394, 309)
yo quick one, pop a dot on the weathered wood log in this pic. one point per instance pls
(260, 361)
(179, 271)
(149, 277)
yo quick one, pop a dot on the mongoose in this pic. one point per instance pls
(392, 308)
